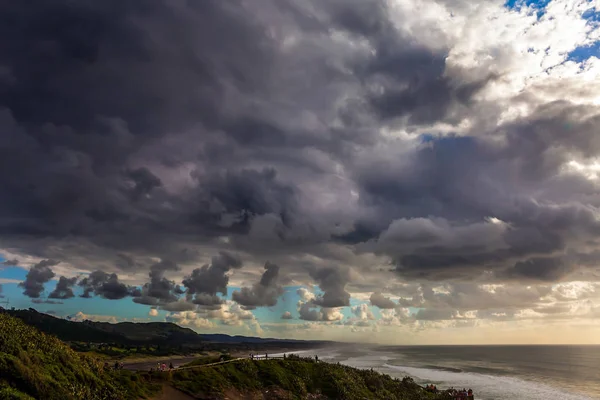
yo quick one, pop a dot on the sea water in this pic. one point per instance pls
(493, 372)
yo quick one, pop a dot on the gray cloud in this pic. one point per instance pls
(177, 306)
(287, 315)
(37, 277)
(64, 288)
(105, 285)
(159, 290)
(379, 300)
(264, 293)
(10, 263)
(310, 312)
(541, 269)
(332, 282)
(125, 261)
(204, 283)
(129, 134)
(1, 295)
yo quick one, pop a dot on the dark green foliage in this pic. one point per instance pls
(39, 366)
(298, 377)
(123, 334)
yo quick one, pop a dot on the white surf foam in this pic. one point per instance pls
(487, 387)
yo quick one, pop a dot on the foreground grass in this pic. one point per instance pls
(34, 365)
(297, 379)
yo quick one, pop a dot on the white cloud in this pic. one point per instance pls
(230, 313)
(80, 316)
(190, 319)
(363, 312)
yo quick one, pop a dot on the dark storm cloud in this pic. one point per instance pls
(37, 277)
(133, 131)
(467, 180)
(262, 294)
(540, 269)
(124, 261)
(144, 182)
(332, 281)
(204, 283)
(93, 96)
(159, 290)
(105, 285)
(178, 306)
(104, 93)
(379, 300)
(64, 288)
(1, 295)
(10, 263)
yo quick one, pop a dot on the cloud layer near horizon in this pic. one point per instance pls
(420, 155)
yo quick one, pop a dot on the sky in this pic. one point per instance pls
(382, 171)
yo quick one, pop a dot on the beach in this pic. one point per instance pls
(493, 372)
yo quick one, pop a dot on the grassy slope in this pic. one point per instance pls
(39, 366)
(123, 332)
(296, 379)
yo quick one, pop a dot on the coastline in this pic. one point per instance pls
(489, 371)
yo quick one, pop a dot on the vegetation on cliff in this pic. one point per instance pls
(34, 365)
(294, 378)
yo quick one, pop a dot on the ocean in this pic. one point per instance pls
(493, 372)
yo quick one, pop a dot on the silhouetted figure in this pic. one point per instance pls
(171, 365)
(266, 356)
(316, 358)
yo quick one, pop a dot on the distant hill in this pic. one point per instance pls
(126, 333)
(34, 365)
(130, 333)
(222, 338)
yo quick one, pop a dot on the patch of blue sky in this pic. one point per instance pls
(583, 53)
(121, 309)
(127, 309)
(13, 273)
(539, 6)
(591, 15)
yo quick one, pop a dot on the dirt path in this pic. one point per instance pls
(170, 393)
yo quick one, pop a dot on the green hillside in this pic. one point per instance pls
(294, 378)
(34, 365)
(123, 332)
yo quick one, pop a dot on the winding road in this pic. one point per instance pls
(146, 365)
